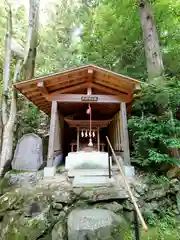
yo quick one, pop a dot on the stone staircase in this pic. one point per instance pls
(88, 169)
(90, 177)
(91, 169)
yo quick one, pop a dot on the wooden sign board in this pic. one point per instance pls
(89, 98)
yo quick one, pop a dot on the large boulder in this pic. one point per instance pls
(17, 227)
(95, 224)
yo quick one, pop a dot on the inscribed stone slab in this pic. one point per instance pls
(28, 154)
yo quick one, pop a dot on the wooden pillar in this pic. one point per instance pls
(77, 139)
(124, 134)
(54, 112)
(116, 133)
(119, 133)
(98, 139)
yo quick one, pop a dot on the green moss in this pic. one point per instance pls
(4, 185)
(18, 171)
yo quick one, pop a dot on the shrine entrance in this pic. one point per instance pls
(85, 104)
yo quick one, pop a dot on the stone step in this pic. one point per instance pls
(92, 181)
(88, 172)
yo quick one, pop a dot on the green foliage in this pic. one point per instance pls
(112, 38)
(58, 44)
(29, 118)
(165, 229)
(154, 125)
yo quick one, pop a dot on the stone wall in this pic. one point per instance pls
(43, 211)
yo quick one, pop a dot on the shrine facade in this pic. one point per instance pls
(85, 105)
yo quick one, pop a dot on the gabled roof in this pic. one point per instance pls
(76, 80)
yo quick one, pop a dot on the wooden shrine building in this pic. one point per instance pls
(84, 103)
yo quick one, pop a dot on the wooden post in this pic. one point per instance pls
(52, 133)
(119, 133)
(98, 139)
(77, 139)
(124, 134)
(116, 133)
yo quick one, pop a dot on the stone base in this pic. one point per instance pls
(129, 171)
(88, 172)
(49, 171)
(92, 181)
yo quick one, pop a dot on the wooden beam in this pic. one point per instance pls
(123, 81)
(42, 88)
(124, 134)
(66, 84)
(68, 89)
(83, 98)
(105, 89)
(33, 94)
(85, 123)
(54, 111)
(89, 81)
(117, 87)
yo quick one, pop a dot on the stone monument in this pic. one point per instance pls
(28, 154)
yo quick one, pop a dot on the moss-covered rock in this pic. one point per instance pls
(4, 186)
(98, 224)
(17, 227)
(25, 214)
(10, 201)
(59, 231)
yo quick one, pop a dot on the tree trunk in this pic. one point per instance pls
(28, 64)
(154, 61)
(6, 70)
(7, 140)
(32, 37)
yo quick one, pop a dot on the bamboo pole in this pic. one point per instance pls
(145, 228)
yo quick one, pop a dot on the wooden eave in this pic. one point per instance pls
(85, 123)
(42, 90)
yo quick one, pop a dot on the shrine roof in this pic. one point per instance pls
(75, 81)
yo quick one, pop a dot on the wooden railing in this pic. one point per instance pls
(137, 210)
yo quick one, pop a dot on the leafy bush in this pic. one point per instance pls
(154, 125)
